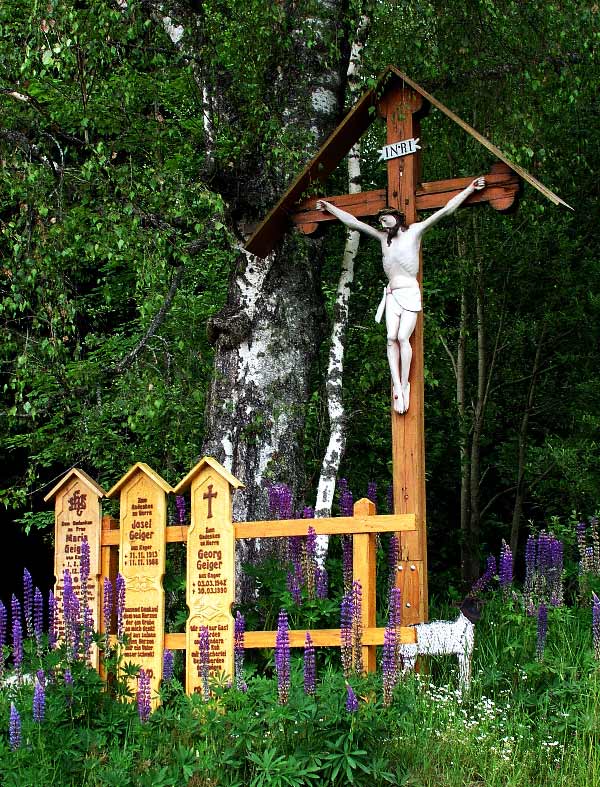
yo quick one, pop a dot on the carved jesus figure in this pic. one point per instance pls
(401, 301)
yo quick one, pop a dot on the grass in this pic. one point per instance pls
(524, 721)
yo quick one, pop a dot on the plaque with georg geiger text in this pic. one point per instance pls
(210, 568)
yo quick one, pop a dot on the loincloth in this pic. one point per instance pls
(398, 300)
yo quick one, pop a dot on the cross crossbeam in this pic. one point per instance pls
(502, 188)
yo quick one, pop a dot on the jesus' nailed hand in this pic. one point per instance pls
(401, 301)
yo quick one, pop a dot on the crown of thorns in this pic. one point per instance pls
(391, 212)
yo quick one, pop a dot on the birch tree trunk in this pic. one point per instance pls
(335, 369)
(268, 333)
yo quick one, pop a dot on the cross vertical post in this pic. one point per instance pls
(400, 107)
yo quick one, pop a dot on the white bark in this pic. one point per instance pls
(335, 404)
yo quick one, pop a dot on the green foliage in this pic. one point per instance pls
(100, 202)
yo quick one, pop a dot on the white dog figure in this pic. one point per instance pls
(445, 637)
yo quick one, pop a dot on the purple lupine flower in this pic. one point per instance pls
(168, 665)
(346, 501)
(88, 631)
(239, 633)
(555, 573)
(181, 512)
(372, 491)
(120, 604)
(28, 601)
(15, 608)
(543, 555)
(51, 621)
(542, 630)
(347, 559)
(294, 586)
(357, 627)
(285, 502)
(84, 567)
(346, 618)
(273, 492)
(282, 657)
(17, 637)
(309, 666)
(486, 577)
(388, 666)
(107, 610)
(351, 699)
(39, 698)
(322, 582)
(390, 499)
(308, 512)
(580, 531)
(530, 550)
(596, 625)
(143, 695)
(505, 570)
(14, 728)
(280, 501)
(391, 646)
(596, 545)
(295, 553)
(311, 562)
(71, 615)
(395, 608)
(393, 558)
(204, 661)
(3, 631)
(38, 619)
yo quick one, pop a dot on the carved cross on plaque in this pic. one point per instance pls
(209, 496)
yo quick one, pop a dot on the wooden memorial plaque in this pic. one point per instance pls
(77, 516)
(142, 554)
(210, 568)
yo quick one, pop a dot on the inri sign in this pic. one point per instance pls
(397, 149)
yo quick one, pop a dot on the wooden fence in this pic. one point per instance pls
(136, 547)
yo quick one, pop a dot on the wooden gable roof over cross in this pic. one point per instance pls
(503, 183)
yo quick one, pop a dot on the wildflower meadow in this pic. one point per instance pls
(309, 715)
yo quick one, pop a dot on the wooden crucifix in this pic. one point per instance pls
(402, 103)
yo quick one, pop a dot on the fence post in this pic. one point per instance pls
(364, 560)
(142, 554)
(210, 578)
(77, 516)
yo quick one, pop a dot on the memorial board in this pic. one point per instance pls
(77, 518)
(142, 553)
(210, 568)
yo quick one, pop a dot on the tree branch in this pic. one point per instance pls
(17, 138)
(125, 362)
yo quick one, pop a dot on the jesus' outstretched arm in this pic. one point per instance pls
(349, 220)
(450, 206)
